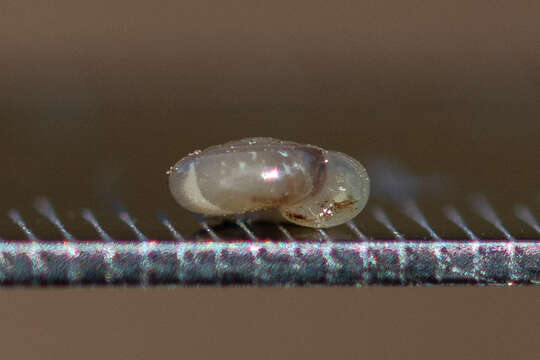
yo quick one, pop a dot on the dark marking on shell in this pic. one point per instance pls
(344, 204)
(296, 216)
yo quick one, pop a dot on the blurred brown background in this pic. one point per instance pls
(98, 98)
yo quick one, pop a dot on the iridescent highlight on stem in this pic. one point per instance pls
(186, 263)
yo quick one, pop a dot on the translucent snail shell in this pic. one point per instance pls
(307, 185)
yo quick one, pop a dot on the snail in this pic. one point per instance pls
(304, 184)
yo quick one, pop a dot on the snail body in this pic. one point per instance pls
(307, 185)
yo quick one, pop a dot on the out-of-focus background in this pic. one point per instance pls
(98, 99)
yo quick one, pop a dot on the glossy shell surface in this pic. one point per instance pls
(307, 185)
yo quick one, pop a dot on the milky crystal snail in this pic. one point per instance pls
(304, 184)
